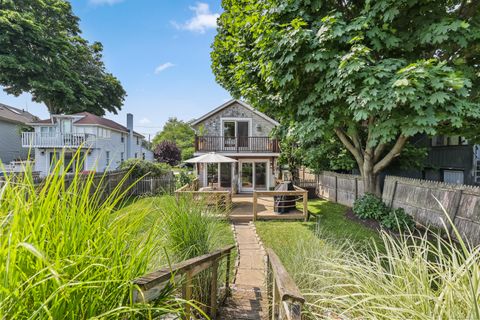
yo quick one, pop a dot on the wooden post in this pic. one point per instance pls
(227, 275)
(275, 298)
(305, 205)
(336, 189)
(187, 293)
(254, 206)
(213, 293)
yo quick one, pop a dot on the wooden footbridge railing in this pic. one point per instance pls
(286, 300)
(150, 285)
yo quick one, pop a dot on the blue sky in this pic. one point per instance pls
(160, 51)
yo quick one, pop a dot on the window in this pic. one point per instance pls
(122, 158)
(47, 131)
(143, 156)
(136, 155)
(453, 176)
(122, 139)
(137, 142)
(229, 129)
(439, 141)
(107, 156)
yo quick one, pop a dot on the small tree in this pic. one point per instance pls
(168, 152)
(179, 132)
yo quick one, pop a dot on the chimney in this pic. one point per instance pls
(130, 136)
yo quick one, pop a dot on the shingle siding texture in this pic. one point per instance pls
(11, 143)
(212, 125)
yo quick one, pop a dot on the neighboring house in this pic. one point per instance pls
(104, 143)
(12, 121)
(238, 131)
(449, 159)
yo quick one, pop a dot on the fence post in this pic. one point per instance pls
(254, 206)
(394, 190)
(227, 275)
(187, 293)
(213, 293)
(355, 180)
(336, 189)
(305, 205)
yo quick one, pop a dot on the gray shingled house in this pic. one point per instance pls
(238, 131)
(12, 120)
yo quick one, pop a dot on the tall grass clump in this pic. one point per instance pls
(192, 228)
(412, 277)
(66, 253)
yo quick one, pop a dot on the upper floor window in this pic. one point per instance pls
(122, 139)
(103, 133)
(138, 141)
(122, 156)
(47, 131)
(438, 141)
(136, 155)
(143, 156)
(107, 156)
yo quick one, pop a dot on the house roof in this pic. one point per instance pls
(15, 115)
(229, 103)
(87, 118)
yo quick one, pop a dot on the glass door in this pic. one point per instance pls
(242, 133)
(226, 175)
(246, 176)
(260, 177)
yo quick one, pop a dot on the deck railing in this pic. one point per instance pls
(298, 192)
(286, 300)
(57, 140)
(150, 286)
(217, 198)
(236, 144)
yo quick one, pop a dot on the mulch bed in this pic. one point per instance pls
(369, 223)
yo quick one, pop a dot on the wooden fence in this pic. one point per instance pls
(110, 180)
(417, 197)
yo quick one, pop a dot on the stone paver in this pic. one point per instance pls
(248, 299)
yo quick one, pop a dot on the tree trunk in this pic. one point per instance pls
(371, 182)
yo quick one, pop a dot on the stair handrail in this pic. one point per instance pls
(149, 286)
(286, 299)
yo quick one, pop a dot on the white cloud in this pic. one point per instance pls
(102, 2)
(145, 121)
(203, 20)
(163, 67)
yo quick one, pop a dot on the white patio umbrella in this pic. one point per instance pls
(211, 157)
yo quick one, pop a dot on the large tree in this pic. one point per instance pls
(374, 73)
(42, 52)
(179, 132)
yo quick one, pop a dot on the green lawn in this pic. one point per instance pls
(327, 224)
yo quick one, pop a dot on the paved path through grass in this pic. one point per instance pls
(248, 300)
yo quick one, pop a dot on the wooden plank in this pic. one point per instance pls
(255, 195)
(305, 205)
(287, 288)
(156, 278)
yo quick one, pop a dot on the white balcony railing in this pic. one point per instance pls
(57, 140)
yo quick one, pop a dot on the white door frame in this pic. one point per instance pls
(253, 161)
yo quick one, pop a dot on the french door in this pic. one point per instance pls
(253, 175)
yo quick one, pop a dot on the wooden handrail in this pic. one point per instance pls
(287, 300)
(149, 286)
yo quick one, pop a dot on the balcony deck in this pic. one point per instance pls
(236, 144)
(57, 140)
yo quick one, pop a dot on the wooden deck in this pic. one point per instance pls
(242, 209)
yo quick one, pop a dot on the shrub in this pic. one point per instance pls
(397, 220)
(140, 168)
(168, 152)
(183, 178)
(370, 207)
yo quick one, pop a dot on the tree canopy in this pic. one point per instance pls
(167, 152)
(42, 53)
(374, 73)
(179, 132)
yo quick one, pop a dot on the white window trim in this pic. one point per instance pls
(236, 120)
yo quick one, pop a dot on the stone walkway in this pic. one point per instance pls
(248, 300)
